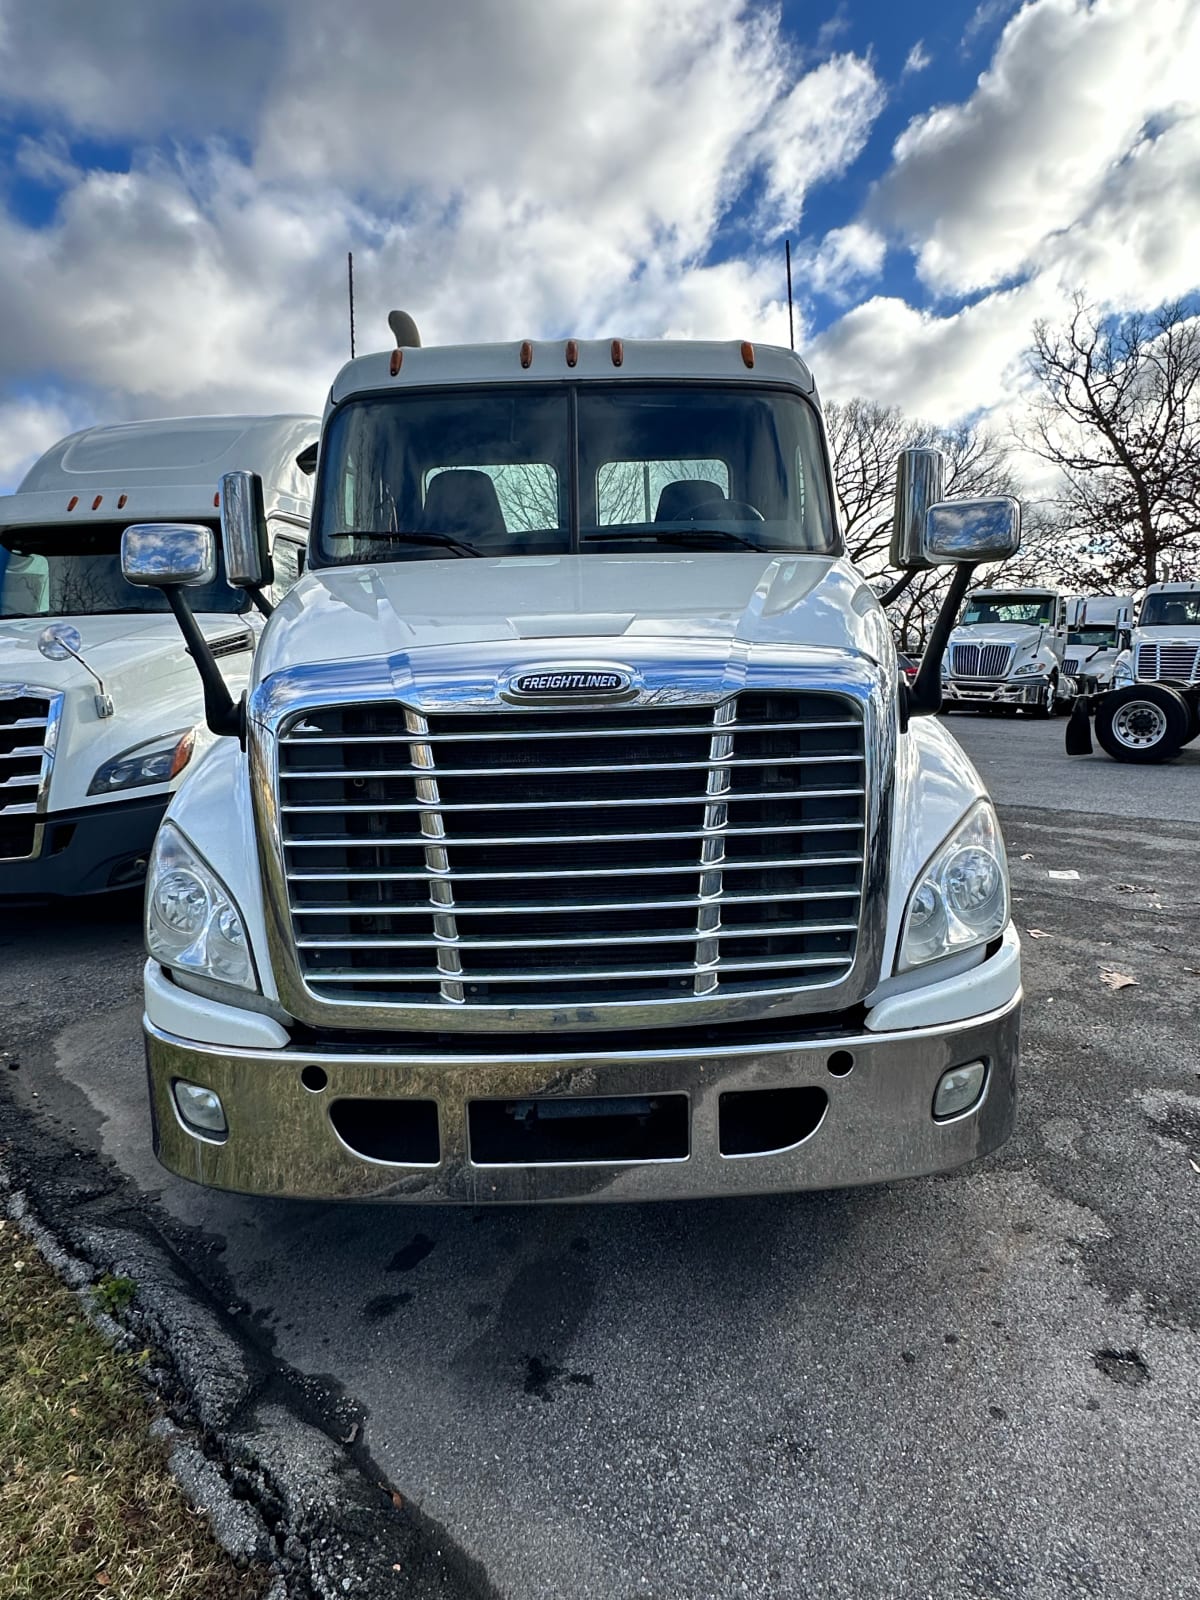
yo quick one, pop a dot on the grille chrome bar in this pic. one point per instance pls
(352, 842)
(359, 909)
(371, 807)
(464, 943)
(441, 893)
(564, 872)
(369, 977)
(25, 767)
(315, 774)
(295, 739)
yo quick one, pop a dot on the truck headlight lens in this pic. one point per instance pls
(156, 761)
(961, 898)
(1122, 675)
(191, 920)
(1028, 668)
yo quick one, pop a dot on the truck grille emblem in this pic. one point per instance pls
(552, 682)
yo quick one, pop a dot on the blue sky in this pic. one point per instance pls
(180, 181)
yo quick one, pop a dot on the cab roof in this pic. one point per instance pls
(571, 360)
(165, 468)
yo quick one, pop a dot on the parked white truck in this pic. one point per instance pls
(1007, 652)
(1152, 708)
(578, 836)
(100, 708)
(1094, 640)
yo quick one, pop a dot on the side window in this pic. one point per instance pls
(632, 491)
(287, 556)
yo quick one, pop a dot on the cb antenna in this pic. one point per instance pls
(350, 285)
(787, 255)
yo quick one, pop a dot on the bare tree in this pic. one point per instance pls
(864, 440)
(1118, 413)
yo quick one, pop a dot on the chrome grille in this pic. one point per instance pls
(1072, 666)
(980, 660)
(566, 857)
(25, 721)
(1176, 661)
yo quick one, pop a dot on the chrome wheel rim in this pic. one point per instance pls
(1139, 725)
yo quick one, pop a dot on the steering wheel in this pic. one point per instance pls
(721, 510)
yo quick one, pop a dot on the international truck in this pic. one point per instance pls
(101, 712)
(1151, 708)
(1094, 640)
(577, 836)
(1007, 653)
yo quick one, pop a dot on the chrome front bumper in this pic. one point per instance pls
(877, 1125)
(966, 693)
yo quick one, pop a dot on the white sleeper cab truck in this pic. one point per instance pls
(1152, 707)
(578, 836)
(1007, 652)
(1094, 641)
(100, 707)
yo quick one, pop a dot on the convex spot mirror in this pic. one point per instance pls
(244, 531)
(958, 531)
(170, 555)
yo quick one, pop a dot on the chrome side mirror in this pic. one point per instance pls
(958, 531)
(920, 483)
(168, 555)
(244, 531)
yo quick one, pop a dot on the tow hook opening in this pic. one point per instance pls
(762, 1122)
(403, 1133)
(573, 1129)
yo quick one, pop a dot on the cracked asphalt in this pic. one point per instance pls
(982, 1385)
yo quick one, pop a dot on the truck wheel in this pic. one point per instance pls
(1044, 708)
(1144, 723)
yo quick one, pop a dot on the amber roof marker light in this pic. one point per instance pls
(618, 352)
(526, 353)
(396, 362)
(572, 352)
(747, 352)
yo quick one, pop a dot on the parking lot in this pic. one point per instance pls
(984, 1384)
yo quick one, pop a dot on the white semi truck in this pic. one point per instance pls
(1007, 652)
(100, 708)
(1151, 708)
(1094, 640)
(578, 837)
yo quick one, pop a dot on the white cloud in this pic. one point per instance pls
(845, 258)
(29, 427)
(917, 59)
(977, 187)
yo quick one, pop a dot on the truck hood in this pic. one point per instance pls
(118, 647)
(1022, 634)
(387, 610)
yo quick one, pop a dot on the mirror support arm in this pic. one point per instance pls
(220, 711)
(898, 588)
(924, 698)
(260, 600)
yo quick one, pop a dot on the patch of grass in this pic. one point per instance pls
(87, 1506)
(114, 1295)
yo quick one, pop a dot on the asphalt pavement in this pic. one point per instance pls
(985, 1384)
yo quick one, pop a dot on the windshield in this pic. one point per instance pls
(493, 472)
(1093, 636)
(75, 571)
(1008, 608)
(1171, 610)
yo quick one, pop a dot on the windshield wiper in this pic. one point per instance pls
(674, 535)
(412, 536)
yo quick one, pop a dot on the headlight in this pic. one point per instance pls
(1122, 675)
(156, 761)
(961, 898)
(1029, 667)
(191, 920)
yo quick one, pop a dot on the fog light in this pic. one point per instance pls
(200, 1109)
(958, 1090)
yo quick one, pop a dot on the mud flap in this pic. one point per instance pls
(1079, 728)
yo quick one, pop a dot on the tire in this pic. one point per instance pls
(1192, 702)
(1144, 723)
(1065, 701)
(1044, 709)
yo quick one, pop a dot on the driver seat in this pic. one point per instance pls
(679, 500)
(464, 504)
